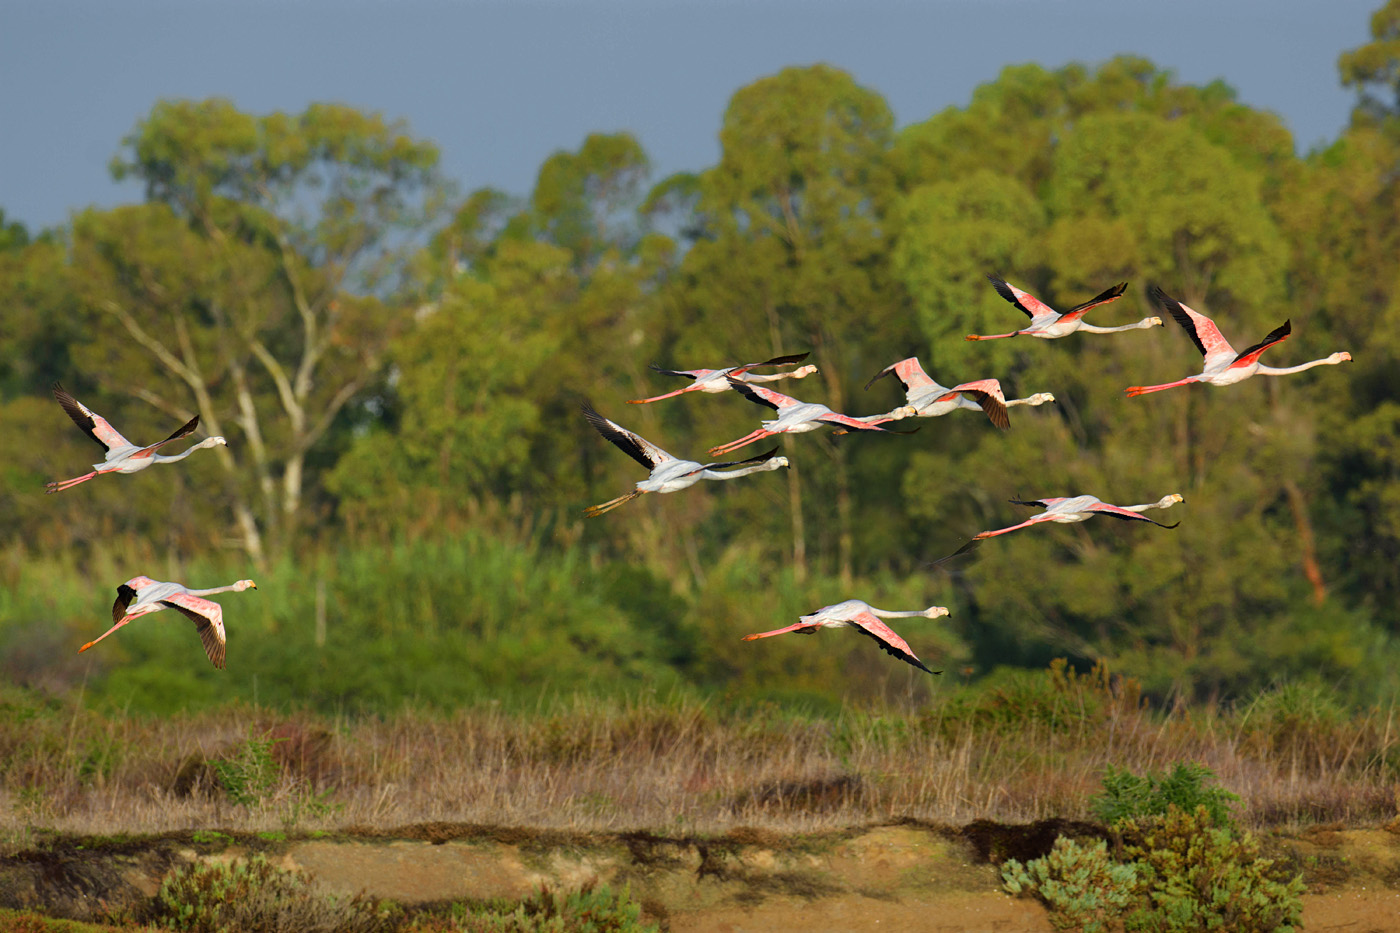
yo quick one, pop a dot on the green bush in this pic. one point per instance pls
(590, 910)
(249, 775)
(1206, 878)
(1128, 796)
(1084, 889)
(256, 895)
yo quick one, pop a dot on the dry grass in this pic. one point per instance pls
(1032, 749)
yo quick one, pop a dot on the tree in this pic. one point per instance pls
(251, 288)
(1374, 70)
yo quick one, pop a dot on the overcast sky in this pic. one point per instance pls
(500, 85)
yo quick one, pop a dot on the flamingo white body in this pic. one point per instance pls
(864, 618)
(925, 398)
(1223, 366)
(668, 473)
(717, 380)
(122, 455)
(794, 417)
(141, 596)
(1048, 324)
(1083, 508)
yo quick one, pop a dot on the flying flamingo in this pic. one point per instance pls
(863, 618)
(714, 380)
(153, 596)
(794, 417)
(122, 455)
(1223, 366)
(925, 398)
(1081, 508)
(668, 474)
(1048, 323)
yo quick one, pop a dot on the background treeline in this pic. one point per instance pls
(398, 369)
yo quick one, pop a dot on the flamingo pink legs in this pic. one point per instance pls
(60, 485)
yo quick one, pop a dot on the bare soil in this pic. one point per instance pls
(897, 877)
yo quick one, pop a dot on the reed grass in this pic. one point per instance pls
(1035, 746)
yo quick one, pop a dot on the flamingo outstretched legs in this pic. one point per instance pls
(991, 336)
(799, 628)
(1001, 531)
(124, 620)
(1134, 391)
(758, 435)
(60, 485)
(600, 508)
(657, 398)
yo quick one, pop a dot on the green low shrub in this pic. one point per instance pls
(1127, 796)
(1207, 878)
(256, 895)
(1082, 886)
(590, 910)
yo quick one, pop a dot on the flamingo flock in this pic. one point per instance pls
(924, 398)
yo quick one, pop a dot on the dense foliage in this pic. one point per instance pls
(399, 378)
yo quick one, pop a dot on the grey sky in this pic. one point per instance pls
(499, 86)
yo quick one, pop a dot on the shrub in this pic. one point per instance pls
(1128, 796)
(1083, 888)
(256, 895)
(1206, 878)
(249, 775)
(590, 910)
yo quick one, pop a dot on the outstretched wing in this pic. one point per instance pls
(1042, 503)
(208, 619)
(1204, 334)
(761, 458)
(125, 594)
(775, 361)
(633, 445)
(987, 394)
(1031, 306)
(761, 395)
(1102, 298)
(909, 373)
(1277, 335)
(1103, 508)
(94, 425)
(886, 638)
(687, 373)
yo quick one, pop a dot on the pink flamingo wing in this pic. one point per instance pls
(912, 374)
(1119, 512)
(208, 618)
(765, 396)
(873, 626)
(834, 417)
(1102, 298)
(93, 424)
(1250, 355)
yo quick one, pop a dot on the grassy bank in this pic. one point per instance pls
(1019, 747)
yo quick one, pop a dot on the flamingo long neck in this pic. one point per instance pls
(162, 458)
(218, 589)
(892, 614)
(1038, 399)
(1140, 325)
(1163, 503)
(742, 471)
(1270, 371)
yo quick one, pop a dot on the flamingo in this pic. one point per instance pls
(1048, 323)
(714, 380)
(669, 474)
(122, 455)
(1223, 366)
(1078, 509)
(153, 596)
(794, 417)
(927, 399)
(862, 617)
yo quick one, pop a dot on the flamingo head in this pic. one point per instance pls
(933, 612)
(1342, 357)
(1155, 322)
(215, 441)
(1169, 501)
(1040, 398)
(242, 585)
(777, 463)
(803, 372)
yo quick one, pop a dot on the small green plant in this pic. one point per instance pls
(590, 910)
(1084, 889)
(211, 837)
(250, 774)
(1207, 878)
(256, 895)
(1128, 796)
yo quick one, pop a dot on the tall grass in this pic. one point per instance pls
(1028, 746)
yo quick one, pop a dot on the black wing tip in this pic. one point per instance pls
(785, 360)
(1036, 502)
